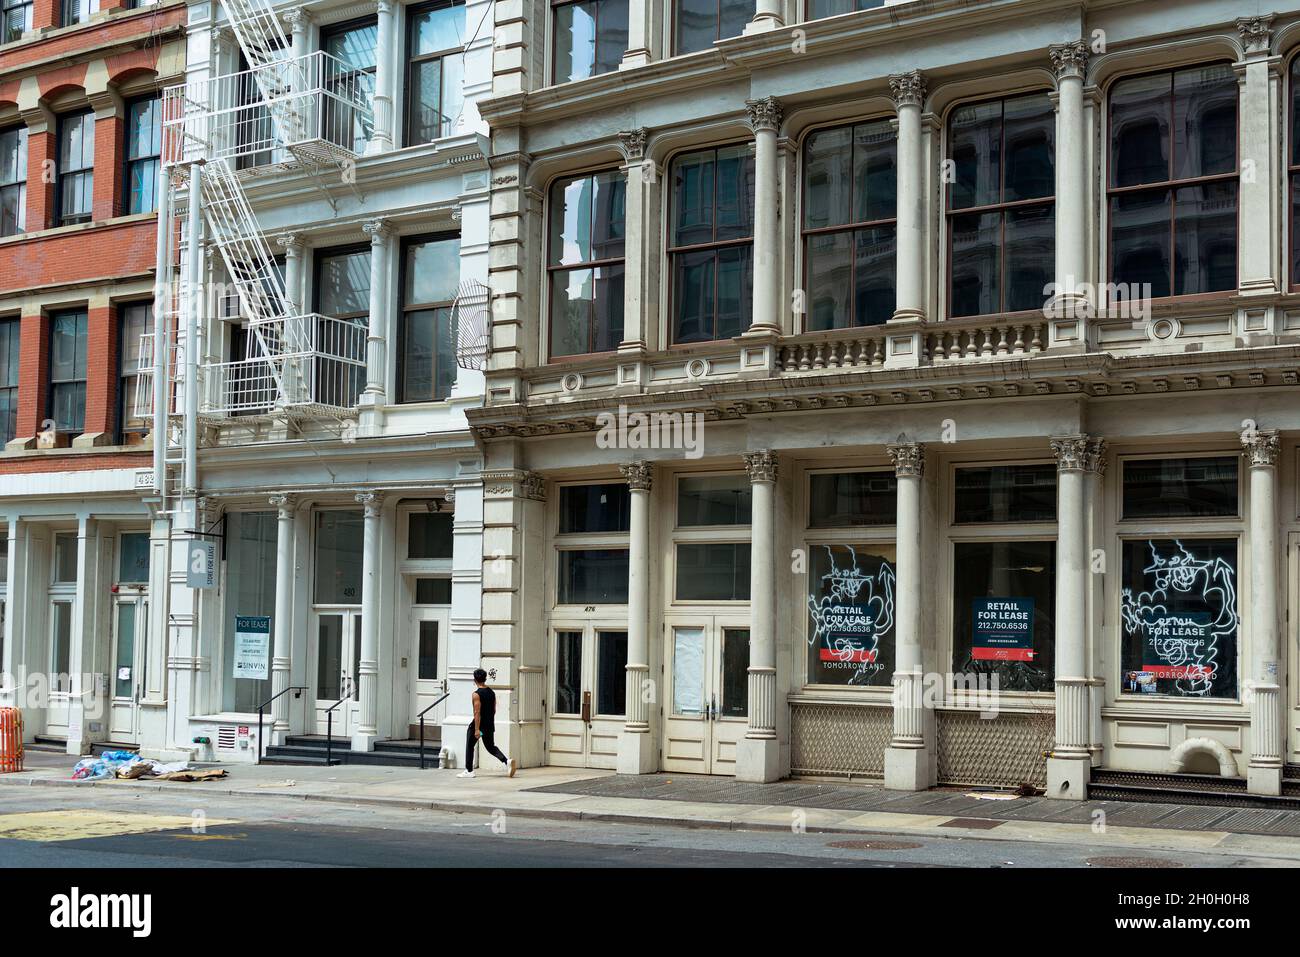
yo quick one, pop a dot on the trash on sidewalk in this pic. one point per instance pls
(993, 796)
(286, 783)
(129, 766)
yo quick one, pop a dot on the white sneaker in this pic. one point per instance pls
(465, 774)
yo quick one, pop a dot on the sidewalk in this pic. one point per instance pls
(695, 801)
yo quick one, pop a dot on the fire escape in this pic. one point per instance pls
(305, 113)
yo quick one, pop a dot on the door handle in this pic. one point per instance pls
(586, 707)
(713, 707)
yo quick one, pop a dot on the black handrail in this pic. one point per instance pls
(421, 715)
(329, 726)
(261, 709)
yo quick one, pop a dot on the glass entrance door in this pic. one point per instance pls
(130, 617)
(338, 666)
(706, 706)
(588, 698)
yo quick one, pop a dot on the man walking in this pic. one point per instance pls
(483, 726)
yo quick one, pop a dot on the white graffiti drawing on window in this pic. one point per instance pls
(1183, 641)
(855, 609)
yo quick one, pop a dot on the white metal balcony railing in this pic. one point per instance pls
(312, 108)
(326, 375)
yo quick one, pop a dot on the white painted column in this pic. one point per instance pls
(282, 624)
(636, 751)
(293, 245)
(299, 21)
(88, 696)
(1069, 767)
(642, 177)
(765, 120)
(364, 736)
(639, 33)
(1070, 63)
(1259, 76)
(9, 659)
(908, 91)
(767, 16)
(909, 759)
(385, 59)
(758, 753)
(1264, 689)
(380, 233)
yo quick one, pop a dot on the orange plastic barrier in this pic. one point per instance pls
(11, 740)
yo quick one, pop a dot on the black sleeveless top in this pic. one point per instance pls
(487, 709)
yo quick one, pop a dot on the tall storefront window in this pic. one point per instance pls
(339, 537)
(840, 499)
(592, 553)
(250, 591)
(1004, 612)
(426, 359)
(1005, 493)
(1173, 182)
(713, 500)
(590, 38)
(711, 243)
(712, 570)
(1179, 614)
(1001, 205)
(585, 263)
(851, 614)
(435, 94)
(850, 181)
(698, 24)
(1179, 617)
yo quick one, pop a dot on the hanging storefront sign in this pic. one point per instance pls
(252, 658)
(851, 607)
(202, 568)
(1003, 629)
(1179, 612)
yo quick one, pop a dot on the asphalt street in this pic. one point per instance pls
(63, 828)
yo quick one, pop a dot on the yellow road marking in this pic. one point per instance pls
(74, 824)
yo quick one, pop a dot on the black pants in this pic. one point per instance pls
(488, 744)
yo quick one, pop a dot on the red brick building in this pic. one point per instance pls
(80, 137)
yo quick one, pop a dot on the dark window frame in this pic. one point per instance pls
(407, 308)
(123, 374)
(553, 207)
(555, 36)
(1002, 208)
(329, 32)
(11, 337)
(672, 251)
(18, 186)
(62, 216)
(413, 61)
(131, 163)
(1170, 185)
(567, 548)
(852, 228)
(1292, 170)
(821, 529)
(83, 337)
(1128, 522)
(614, 534)
(676, 29)
(810, 14)
(12, 11)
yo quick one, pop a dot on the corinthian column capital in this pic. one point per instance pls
(764, 114)
(1262, 446)
(907, 89)
(1069, 59)
(761, 465)
(639, 475)
(908, 458)
(1079, 453)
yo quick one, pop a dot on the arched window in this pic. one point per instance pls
(1173, 183)
(1001, 205)
(711, 243)
(585, 257)
(850, 180)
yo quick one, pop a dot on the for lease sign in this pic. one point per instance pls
(1003, 629)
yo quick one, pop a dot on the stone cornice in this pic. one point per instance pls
(1083, 376)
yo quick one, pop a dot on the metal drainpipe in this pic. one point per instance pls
(161, 304)
(192, 322)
